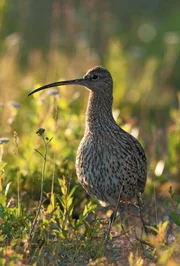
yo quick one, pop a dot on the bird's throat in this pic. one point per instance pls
(99, 111)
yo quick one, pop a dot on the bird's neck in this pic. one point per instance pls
(99, 112)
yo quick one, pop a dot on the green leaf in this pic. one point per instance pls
(63, 187)
(73, 190)
(89, 208)
(175, 217)
(53, 200)
(7, 188)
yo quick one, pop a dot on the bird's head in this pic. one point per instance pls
(97, 79)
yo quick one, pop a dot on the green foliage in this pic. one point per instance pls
(48, 222)
(174, 141)
(173, 205)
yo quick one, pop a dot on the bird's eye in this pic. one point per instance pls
(94, 77)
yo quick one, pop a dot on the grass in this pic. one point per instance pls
(46, 218)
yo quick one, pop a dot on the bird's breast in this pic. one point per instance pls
(107, 166)
(98, 168)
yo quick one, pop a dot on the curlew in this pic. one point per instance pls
(110, 163)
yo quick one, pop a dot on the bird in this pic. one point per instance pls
(110, 163)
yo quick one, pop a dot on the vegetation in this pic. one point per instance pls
(46, 217)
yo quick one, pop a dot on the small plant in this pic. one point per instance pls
(46, 141)
(173, 205)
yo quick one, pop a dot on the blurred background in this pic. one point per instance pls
(45, 41)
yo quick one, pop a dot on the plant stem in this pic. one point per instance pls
(42, 187)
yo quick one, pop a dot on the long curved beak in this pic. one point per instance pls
(59, 83)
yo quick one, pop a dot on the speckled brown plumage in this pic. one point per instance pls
(110, 163)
